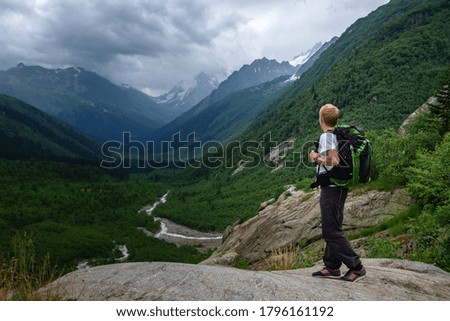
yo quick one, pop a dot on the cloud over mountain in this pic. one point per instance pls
(155, 44)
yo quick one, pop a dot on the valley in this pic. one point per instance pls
(60, 207)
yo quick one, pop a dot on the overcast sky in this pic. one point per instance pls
(156, 43)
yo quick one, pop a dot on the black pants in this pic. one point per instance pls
(338, 249)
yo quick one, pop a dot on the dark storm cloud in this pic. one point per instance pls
(146, 28)
(156, 43)
(101, 30)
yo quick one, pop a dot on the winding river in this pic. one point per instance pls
(182, 235)
(172, 233)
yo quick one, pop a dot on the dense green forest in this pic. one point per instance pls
(210, 200)
(419, 161)
(77, 212)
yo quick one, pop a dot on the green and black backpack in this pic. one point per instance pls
(355, 156)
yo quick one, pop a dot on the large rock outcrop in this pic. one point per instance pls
(386, 280)
(294, 219)
(425, 108)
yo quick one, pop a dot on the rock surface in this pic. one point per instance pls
(294, 219)
(386, 280)
(425, 108)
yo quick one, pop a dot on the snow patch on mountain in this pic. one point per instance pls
(303, 57)
(188, 93)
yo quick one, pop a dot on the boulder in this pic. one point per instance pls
(386, 280)
(294, 219)
(425, 108)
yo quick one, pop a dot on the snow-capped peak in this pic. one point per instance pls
(304, 56)
(187, 93)
(178, 92)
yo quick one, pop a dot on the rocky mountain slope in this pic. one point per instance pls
(386, 280)
(294, 219)
(258, 72)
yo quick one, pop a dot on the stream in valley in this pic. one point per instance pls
(173, 233)
(181, 235)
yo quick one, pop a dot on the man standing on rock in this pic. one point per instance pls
(332, 198)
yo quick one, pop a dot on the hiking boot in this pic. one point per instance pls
(326, 272)
(353, 275)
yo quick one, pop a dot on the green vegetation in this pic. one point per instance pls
(309, 256)
(77, 213)
(26, 132)
(430, 183)
(395, 225)
(382, 248)
(218, 199)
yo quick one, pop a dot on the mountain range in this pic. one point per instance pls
(226, 118)
(363, 72)
(251, 98)
(85, 100)
(204, 113)
(228, 110)
(258, 72)
(103, 110)
(187, 94)
(378, 71)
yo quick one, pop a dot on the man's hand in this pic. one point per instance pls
(313, 156)
(332, 158)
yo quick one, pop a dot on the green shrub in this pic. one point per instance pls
(429, 177)
(381, 248)
(431, 233)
